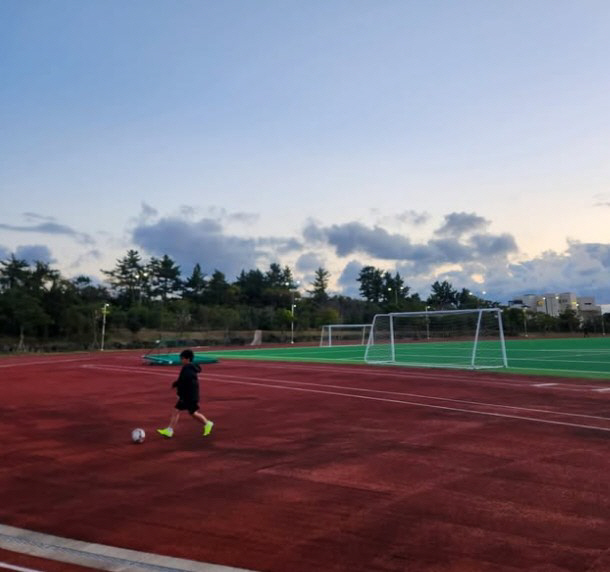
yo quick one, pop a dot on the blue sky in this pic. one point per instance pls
(465, 140)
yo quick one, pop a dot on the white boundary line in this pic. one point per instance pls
(20, 364)
(17, 568)
(427, 405)
(394, 373)
(98, 556)
(406, 394)
(289, 385)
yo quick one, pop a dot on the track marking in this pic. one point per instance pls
(407, 394)
(279, 382)
(44, 362)
(98, 556)
(387, 373)
(16, 568)
(426, 405)
(544, 384)
(283, 384)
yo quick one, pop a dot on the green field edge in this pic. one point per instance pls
(254, 355)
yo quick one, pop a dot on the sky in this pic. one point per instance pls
(459, 140)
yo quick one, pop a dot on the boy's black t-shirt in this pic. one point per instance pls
(187, 384)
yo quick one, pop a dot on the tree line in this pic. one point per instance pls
(40, 306)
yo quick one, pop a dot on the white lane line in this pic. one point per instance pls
(98, 556)
(477, 377)
(16, 568)
(407, 377)
(426, 405)
(222, 377)
(20, 364)
(278, 382)
(602, 389)
(543, 384)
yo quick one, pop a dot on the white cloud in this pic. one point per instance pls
(459, 250)
(457, 224)
(34, 253)
(49, 228)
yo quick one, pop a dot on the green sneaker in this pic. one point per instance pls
(207, 428)
(167, 432)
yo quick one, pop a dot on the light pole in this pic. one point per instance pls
(427, 324)
(292, 306)
(292, 316)
(104, 312)
(143, 278)
(524, 321)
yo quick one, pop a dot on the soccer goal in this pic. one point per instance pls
(345, 334)
(471, 339)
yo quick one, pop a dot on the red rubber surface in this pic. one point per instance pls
(311, 467)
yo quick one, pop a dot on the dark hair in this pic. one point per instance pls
(188, 354)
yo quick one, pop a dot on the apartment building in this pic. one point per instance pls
(554, 304)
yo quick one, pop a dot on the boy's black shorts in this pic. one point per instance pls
(190, 406)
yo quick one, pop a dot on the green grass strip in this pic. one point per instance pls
(563, 357)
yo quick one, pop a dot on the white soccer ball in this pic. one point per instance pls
(138, 435)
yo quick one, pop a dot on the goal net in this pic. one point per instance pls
(448, 338)
(346, 334)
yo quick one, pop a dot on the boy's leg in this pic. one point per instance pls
(169, 430)
(198, 416)
(174, 419)
(201, 418)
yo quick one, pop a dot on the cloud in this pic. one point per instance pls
(202, 241)
(306, 266)
(35, 216)
(147, 212)
(601, 200)
(354, 237)
(410, 217)
(468, 258)
(490, 245)
(348, 280)
(457, 224)
(279, 244)
(205, 240)
(34, 253)
(583, 268)
(220, 213)
(413, 217)
(31, 253)
(245, 218)
(597, 251)
(93, 254)
(51, 228)
(460, 251)
(309, 261)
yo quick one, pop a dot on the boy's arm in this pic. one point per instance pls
(180, 376)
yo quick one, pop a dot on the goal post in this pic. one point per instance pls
(472, 339)
(345, 334)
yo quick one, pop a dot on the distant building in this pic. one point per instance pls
(588, 308)
(555, 304)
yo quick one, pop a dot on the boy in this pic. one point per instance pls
(187, 387)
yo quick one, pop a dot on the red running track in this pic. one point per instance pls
(312, 467)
